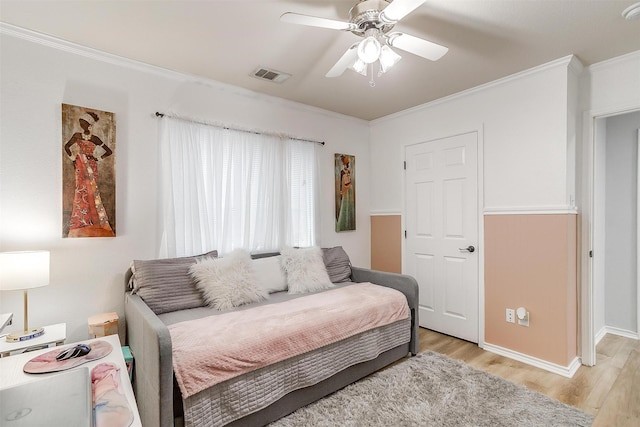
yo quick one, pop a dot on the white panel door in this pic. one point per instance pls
(441, 221)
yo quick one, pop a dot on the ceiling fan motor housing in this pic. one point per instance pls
(366, 15)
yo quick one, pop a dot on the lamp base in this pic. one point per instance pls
(25, 335)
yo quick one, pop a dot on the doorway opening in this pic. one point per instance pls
(612, 272)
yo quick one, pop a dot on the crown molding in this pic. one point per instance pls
(614, 62)
(87, 52)
(98, 55)
(566, 61)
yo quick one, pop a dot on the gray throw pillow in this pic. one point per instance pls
(337, 263)
(165, 285)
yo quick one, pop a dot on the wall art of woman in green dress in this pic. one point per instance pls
(345, 192)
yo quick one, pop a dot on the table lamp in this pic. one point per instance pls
(23, 271)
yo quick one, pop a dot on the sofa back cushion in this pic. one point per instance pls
(271, 275)
(165, 284)
(337, 263)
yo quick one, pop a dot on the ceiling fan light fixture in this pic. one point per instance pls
(359, 67)
(369, 48)
(372, 21)
(388, 58)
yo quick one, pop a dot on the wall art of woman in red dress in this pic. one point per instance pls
(88, 214)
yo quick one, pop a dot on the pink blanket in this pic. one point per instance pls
(213, 349)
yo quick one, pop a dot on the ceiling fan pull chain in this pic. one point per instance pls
(372, 82)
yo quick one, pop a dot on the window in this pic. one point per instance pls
(225, 189)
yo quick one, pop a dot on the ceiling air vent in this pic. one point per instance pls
(270, 75)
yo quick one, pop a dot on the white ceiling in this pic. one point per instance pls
(227, 40)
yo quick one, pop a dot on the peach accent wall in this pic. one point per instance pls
(386, 243)
(530, 261)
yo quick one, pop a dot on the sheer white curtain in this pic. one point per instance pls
(225, 189)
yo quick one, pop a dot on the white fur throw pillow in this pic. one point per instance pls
(305, 270)
(227, 282)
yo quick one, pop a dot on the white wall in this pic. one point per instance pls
(37, 74)
(620, 283)
(523, 119)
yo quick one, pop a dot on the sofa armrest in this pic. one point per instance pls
(403, 283)
(150, 343)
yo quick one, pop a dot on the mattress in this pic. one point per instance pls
(235, 398)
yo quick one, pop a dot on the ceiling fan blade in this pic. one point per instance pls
(314, 21)
(417, 46)
(347, 59)
(398, 9)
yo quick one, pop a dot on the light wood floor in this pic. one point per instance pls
(590, 389)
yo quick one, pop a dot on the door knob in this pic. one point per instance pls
(467, 249)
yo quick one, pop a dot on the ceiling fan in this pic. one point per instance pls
(373, 20)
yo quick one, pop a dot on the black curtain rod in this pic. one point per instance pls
(158, 114)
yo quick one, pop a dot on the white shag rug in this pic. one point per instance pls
(431, 389)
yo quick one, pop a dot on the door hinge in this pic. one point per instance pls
(405, 165)
(405, 234)
(590, 254)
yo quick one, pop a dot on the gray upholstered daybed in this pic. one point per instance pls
(271, 392)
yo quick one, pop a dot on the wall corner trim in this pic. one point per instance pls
(565, 371)
(575, 65)
(600, 334)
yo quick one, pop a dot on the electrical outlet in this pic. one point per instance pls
(511, 315)
(523, 316)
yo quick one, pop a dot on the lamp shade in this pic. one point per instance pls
(24, 270)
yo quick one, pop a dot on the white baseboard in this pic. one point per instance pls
(601, 333)
(565, 371)
(620, 332)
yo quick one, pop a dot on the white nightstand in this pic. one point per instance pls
(12, 374)
(53, 335)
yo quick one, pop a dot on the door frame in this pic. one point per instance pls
(587, 333)
(479, 131)
(638, 238)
